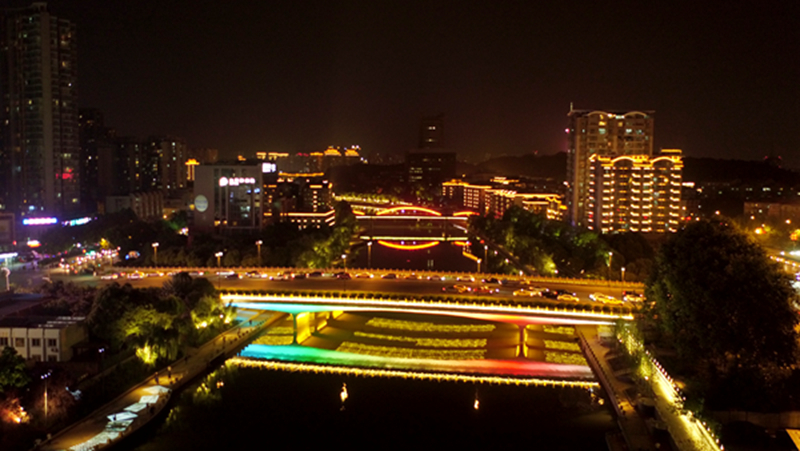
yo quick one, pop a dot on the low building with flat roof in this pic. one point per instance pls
(43, 338)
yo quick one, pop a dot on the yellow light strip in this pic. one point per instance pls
(419, 375)
(411, 303)
(389, 211)
(409, 247)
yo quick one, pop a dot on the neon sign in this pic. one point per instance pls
(77, 222)
(236, 181)
(39, 221)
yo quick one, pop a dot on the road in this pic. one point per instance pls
(370, 285)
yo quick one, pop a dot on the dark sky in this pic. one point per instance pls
(242, 76)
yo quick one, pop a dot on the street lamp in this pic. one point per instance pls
(610, 258)
(623, 274)
(369, 254)
(155, 253)
(259, 243)
(44, 377)
(479, 265)
(219, 276)
(485, 252)
(344, 261)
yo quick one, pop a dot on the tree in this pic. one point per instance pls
(723, 303)
(12, 370)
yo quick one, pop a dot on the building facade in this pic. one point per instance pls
(635, 193)
(39, 148)
(228, 197)
(43, 339)
(595, 133)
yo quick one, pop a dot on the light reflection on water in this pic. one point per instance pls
(240, 407)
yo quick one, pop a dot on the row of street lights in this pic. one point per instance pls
(218, 254)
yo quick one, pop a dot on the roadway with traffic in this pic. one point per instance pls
(414, 283)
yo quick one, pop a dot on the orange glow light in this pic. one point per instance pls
(408, 247)
(389, 211)
(465, 213)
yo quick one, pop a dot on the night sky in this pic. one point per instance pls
(244, 76)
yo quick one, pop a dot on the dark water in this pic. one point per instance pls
(445, 256)
(250, 408)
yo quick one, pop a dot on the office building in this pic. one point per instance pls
(595, 133)
(428, 168)
(39, 148)
(228, 197)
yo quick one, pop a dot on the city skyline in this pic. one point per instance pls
(282, 76)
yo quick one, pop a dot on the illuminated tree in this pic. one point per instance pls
(723, 303)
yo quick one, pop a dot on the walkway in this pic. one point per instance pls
(136, 407)
(633, 426)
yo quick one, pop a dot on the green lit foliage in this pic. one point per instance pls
(12, 370)
(725, 307)
(158, 324)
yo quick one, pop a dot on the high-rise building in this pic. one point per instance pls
(98, 174)
(431, 132)
(635, 193)
(39, 149)
(596, 133)
(170, 155)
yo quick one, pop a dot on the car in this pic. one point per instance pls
(391, 275)
(412, 277)
(110, 276)
(457, 289)
(612, 300)
(300, 276)
(632, 296)
(550, 295)
(510, 282)
(568, 297)
(233, 276)
(281, 278)
(315, 274)
(196, 273)
(466, 279)
(527, 292)
(491, 280)
(136, 275)
(364, 275)
(483, 289)
(343, 276)
(254, 275)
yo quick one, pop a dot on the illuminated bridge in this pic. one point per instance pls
(532, 344)
(413, 225)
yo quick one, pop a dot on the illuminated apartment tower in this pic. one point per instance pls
(594, 134)
(635, 193)
(39, 147)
